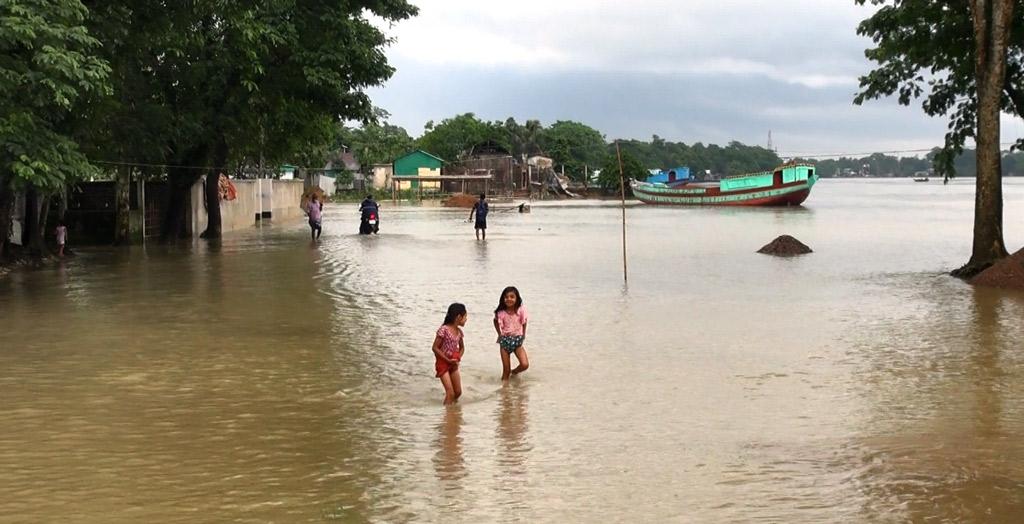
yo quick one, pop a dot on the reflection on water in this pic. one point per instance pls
(512, 432)
(449, 462)
(947, 424)
(267, 378)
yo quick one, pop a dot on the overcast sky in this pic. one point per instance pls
(686, 70)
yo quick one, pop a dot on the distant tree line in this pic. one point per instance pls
(582, 149)
(878, 164)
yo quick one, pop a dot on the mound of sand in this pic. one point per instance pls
(785, 246)
(1008, 273)
(461, 200)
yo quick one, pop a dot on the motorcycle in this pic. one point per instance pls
(369, 223)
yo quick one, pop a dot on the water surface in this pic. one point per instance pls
(271, 379)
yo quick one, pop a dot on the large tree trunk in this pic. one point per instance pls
(122, 199)
(213, 217)
(212, 196)
(6, 207)
(992, 20)
(35, 221)
(179, 182)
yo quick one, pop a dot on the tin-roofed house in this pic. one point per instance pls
(486, 159)
(344, 168)
(414, 164)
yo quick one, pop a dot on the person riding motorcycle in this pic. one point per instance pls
(369, 209)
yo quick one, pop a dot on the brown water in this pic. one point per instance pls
(273, 380)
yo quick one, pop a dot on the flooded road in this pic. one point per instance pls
(270, 379)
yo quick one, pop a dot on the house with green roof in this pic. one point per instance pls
(417, 163)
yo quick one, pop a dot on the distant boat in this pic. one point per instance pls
(787, 185)
(921, 179)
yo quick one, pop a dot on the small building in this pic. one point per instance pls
(488, 159)
(286, 172)
(417, 163)
(669, 175)
(380, 175)
(343, 167)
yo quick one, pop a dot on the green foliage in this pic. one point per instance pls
(926, 50)
(231, 81)
(733, 159)
(580, 148)
(609, 177)
(884, 165)
(453, 139)
(376, 142)
(47, 65)
(524, 140)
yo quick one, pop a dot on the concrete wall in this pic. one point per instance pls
(266, 190)
(381, 174)
(287, 199)
(262, 199)
(236, 214)
(325, 182)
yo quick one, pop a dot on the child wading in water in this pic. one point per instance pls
(62, 237)
(510, 323)
(448, 349)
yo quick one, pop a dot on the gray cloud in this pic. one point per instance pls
(687, 71)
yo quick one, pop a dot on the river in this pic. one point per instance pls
(271, 379)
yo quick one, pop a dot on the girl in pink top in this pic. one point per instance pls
(448, 350)
(510, 323)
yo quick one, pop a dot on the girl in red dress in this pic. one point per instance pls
(448, 350)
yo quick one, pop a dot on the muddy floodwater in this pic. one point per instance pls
(271, 379)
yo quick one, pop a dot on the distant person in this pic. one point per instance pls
(448, 350)
(315, 211)
(369, 204)
(480, 209)
(510, 322)
(369, 211)
(62, 237)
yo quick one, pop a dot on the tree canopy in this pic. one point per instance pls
(579, 147)
(926, 51)
(375, 142)
(48, 64)
(236, 83)
(610, 178)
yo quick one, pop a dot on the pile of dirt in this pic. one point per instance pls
(1008, 273)
(461, 200)
(785, 246)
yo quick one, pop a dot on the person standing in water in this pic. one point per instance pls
(480, 209)
(510, 322)
(315, 211)
(62, 237)
(448, 349)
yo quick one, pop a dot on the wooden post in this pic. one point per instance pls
(622, 193)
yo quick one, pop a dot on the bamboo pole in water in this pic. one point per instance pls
(622, 193)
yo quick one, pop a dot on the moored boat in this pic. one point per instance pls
(787, 185)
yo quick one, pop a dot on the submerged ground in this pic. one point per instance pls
(272, 379)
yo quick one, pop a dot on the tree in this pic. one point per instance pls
(574, 145)
(376, 142)
(609, 178)
(47, 64)
(244, 83)
(454, 138)
(965, 58)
